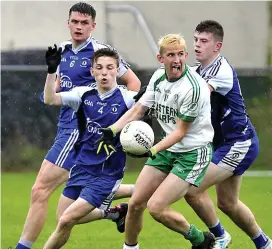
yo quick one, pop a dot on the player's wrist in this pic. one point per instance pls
(153, 151)
(51, 70)
(113, 129)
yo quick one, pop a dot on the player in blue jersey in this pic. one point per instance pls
(95, 177)
(237, 142)
(74, 70)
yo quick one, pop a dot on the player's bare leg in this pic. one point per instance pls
(236, 210)
(116, 214)
(64, 203)
(225, 183)
(204, 207)
(124, 191)
(50, 177)
(233, 207)
(148, 181)
(200, 201)
(171, 190)
(67, 221)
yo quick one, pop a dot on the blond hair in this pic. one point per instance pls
(171, 41)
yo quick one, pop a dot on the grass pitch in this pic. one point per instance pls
(256, 192)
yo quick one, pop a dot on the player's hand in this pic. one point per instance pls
(53, 58)
(140, 93)
(150, 153)
(106, 140)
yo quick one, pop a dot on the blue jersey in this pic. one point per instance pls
(229, 111)
(94, 111)
(74, 70)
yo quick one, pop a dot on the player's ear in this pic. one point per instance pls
(93, 26)
(218, 46)
(159, 57)
(186, 54)
(92, 71)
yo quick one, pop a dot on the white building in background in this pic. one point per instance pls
(29, 25)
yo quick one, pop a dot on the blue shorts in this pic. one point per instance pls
(97, 190)
(237, 155)
(63, 153)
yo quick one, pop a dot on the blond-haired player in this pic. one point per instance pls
(182, 104)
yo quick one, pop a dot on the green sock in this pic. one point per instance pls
(195, 236)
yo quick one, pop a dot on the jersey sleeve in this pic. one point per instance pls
(73, 97)
(189, 107)
(222, 82)
(148, 99)
(128, 96)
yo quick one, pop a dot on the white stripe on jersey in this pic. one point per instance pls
(67, 148)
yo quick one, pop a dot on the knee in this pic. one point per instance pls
(193, 200)
(65, 222)
(226, 205)
(155, 210)
(136, 206)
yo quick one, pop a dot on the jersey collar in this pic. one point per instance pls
(107, 94)
(201, 70)
(82, 45)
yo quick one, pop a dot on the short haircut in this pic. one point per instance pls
(211, 26)
(108, 52)
(83, 8)
(171, 41)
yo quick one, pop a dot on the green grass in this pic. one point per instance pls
(255, 192)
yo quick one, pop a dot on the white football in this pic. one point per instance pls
(137, 137)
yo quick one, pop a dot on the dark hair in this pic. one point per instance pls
(213, 27)
(83, 8)
(105, 52)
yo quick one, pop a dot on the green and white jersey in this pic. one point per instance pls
(187, 98)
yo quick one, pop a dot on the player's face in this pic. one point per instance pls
(105, 72)
(206, 47)
(81, 26)
(174, 61)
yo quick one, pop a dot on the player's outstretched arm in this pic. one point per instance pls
(53, 58)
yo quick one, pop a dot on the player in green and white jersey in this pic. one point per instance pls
(182, 105)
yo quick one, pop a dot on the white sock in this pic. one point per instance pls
(26, 243)
(125, 246)
(102, 212)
